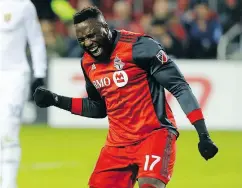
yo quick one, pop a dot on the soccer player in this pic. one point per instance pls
(18, 25)
(126, 74)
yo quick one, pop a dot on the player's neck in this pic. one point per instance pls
(114, 39)
(113, 43)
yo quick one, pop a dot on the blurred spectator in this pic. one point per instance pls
(230, 12)
(55, 45)
(72, 47)
(204, 32)
(63, 9)
(145, 22)
(81, 4)
(148, 6)
(176, 28)
(122, 19)
(182, 6)
(190, 25)
(160, 33)
(161, 10)
(74, 3)
(44, 9)
(106, 6)
(96, 2)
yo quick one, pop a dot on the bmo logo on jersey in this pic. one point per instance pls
(120, 78)
(103, 82)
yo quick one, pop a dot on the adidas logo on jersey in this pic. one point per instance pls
(93, 67)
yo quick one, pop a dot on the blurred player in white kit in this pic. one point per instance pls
(19, 25)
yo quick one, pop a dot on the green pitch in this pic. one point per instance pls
(64, 158)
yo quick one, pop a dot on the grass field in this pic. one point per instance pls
(64, 158)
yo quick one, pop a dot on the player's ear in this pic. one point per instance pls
(107, 29)
(105, 25)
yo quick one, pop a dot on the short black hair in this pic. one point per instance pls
(86, 13)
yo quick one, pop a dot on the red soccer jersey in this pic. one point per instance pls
(135, 102)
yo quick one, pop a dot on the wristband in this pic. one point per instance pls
(195, 115)
(76, 106)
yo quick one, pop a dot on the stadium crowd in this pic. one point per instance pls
(188, 29)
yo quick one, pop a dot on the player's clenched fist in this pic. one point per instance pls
(38, 82)
(207, 148)
(44, 98)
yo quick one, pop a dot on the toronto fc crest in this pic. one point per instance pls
(120, 77)
(118, 64)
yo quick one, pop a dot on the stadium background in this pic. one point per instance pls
(60, 150)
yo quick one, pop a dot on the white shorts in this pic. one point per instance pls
(14, 90)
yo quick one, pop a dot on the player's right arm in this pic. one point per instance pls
(85, 107)
(93, 106)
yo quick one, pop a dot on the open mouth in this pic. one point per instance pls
(96, 51)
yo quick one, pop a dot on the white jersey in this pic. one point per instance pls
(19, 25)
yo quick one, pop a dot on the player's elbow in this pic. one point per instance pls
(98, 115)
(101, 116)
(102, 113)
(94, 109)
(179, 89)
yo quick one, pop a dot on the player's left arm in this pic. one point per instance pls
(36, 44)
(150, 55)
